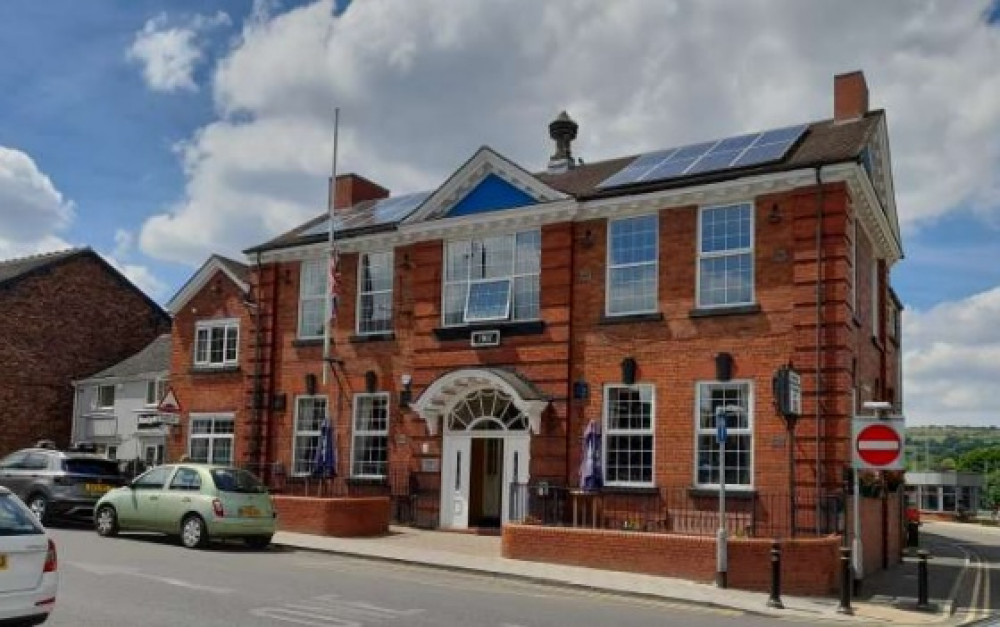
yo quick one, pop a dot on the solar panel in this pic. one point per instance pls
(714, 156)
(385, 211)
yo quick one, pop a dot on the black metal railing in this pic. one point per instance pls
(414, 497)
(687, 511)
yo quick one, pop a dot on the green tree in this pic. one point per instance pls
(947, 463)
(980, 460)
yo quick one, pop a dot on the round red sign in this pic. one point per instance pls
(879, 445)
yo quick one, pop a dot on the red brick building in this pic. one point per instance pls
(210, 342)
(483, 326)
(63, 316)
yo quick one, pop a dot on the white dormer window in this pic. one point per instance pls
(216, 343)
(492, 278)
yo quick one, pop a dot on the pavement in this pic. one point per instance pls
(482, 554)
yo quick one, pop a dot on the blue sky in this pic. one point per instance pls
(158, 132)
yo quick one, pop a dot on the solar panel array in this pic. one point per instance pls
(385, 211)
(723, 154)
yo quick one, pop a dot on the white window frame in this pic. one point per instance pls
(362, 292)
(98, 404)
(228, 325)
(296, 432)
(356, 433)
(748, 430)
(876, 298)
(159, 388)
(606, 432)
(213, 436)
(751, 250)
(323, 266)
(609, 266)
(510, 279)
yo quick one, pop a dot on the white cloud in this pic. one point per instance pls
(124, 240)
(140, 275)
(422, 85)
(32, 210)
(170, 54)
(952, 361)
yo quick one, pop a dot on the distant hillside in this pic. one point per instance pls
(932, 447)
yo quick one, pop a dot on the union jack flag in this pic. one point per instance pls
(334, 281)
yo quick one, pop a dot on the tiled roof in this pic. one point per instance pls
(239, 270)
(155, 357)
(825, 142)
(11, 269)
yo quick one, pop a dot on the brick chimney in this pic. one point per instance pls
(352, 189)
(850, 96)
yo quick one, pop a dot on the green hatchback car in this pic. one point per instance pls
(198, 502)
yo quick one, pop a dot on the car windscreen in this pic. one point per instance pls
(236, 480)
(96, 467)
(16, 519)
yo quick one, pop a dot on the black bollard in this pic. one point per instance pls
(922, 602)
(846, 580)
(775, 599)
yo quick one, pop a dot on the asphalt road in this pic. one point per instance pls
(971, 554)
(149, 581)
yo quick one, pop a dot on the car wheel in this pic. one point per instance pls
(39, 506)
(258, 542)
(194, 534)
(106, 521)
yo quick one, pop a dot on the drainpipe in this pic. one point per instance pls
(258, 388)
(819, 342)
(570, 400)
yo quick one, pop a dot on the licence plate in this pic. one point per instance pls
(96, 488)
(3, 561)
(249, 511)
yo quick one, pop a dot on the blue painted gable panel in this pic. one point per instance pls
(492, 194)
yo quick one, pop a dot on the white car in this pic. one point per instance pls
(28, 565)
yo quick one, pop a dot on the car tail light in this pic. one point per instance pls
(217, 508)
(51, 561)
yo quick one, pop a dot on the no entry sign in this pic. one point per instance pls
(878, 444)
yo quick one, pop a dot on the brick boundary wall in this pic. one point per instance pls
(808, 565)
(341, 517)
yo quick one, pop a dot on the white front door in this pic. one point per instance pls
(455, 482)
(517, 456)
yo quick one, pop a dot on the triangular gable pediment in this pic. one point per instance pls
(487, 182)
(200, 279)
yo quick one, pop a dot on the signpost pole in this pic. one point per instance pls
(721, 550)
(856, 548)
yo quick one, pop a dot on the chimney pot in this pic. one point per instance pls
(350, 189)
(850, 96)
(563, 131)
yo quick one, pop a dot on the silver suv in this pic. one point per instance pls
(57, 483)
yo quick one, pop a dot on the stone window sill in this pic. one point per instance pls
(200, 370)
(736, 310)
(731, 492)
(305, 342)
(506, 328)
(372, 337)
(631, 318)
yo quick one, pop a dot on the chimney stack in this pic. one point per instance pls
(350, 189)
(850, 96)
(563, 131)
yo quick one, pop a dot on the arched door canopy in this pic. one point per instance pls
(449, 389)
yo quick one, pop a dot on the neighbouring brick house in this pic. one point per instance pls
(208, 356)
(483, 326)
(63, 316)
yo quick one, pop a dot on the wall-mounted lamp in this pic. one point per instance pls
(723, 366)
(288, 276)
(588, 239)
(406, 394)
(581, 390)
(371, 382)
(310, 384)
(629, 368)
(407, 262)
(774, 216)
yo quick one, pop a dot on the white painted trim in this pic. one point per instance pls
(440, 398)
(700, 255)
(215, 323)
(322, 262)
(295, 427)
(484, 162)
(354, 432)
(750, 428)
(605, 432)
(197, 282)
(213, 415)
(607, 268)
(392, 292)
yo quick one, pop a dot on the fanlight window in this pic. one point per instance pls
(487, 410)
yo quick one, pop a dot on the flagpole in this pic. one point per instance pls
(332, 260)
